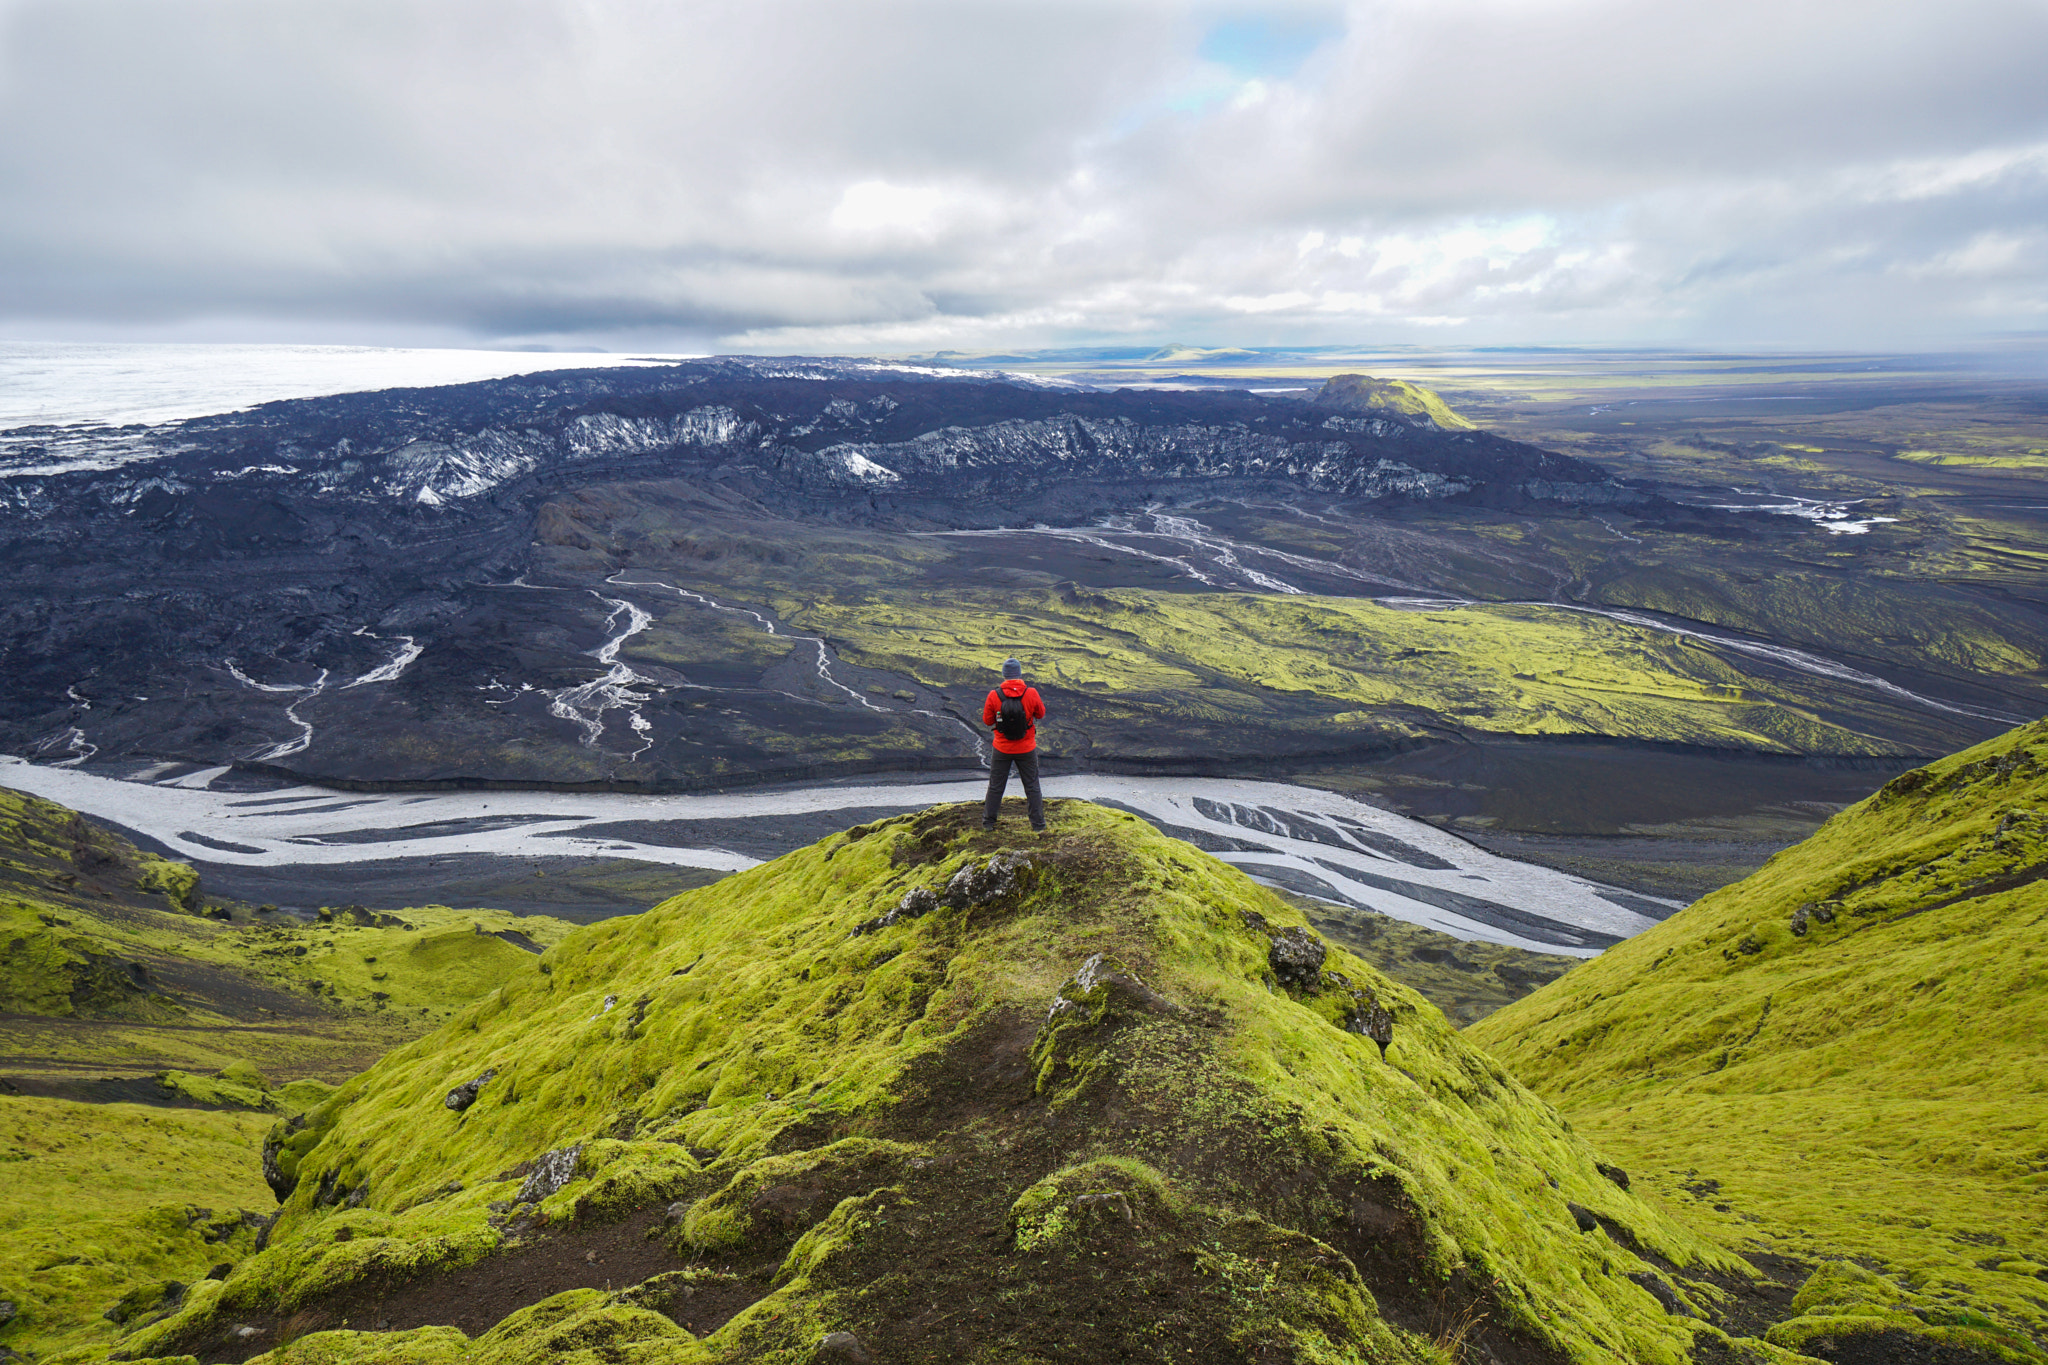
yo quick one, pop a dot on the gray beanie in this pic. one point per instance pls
(1012, 669)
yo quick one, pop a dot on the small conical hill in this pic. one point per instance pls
(1847, 1051)
(1398, 397)
(924, 1093)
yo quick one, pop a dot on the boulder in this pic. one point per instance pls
(1374, 1021)
(551, 1172)
(1102, 984)
(842, 1348)
(992, 881)
(1297, 958)
(464, 1095)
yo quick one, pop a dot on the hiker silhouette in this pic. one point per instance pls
(1012, 711)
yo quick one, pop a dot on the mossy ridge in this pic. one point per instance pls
(1841, 1055)
(103, 1206)
(48, 849)
(736, 1037)
(297, 1000)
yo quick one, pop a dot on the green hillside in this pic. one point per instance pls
(121, 980)
(115, 962)
(924, 1093)
(1363, 393)
(1845, 1055)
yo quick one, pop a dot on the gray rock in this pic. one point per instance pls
(1583, 1216)
(7, 1311)
(1805, 915)
(917, 901)
(992, 881)
(464, 1095)
(1614, 1173)
(1297, 957)
(550, 1173)
(1107, 982)
(676, 1212)
(1372, 1020)
(842, 1348)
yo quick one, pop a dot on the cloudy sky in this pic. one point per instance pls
(854, 175)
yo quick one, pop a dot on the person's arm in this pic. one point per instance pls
(988, 709)
(1037, 708)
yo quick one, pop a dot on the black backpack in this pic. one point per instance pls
(1011, 722)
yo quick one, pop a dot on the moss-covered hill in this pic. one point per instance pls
(122, 981)
(114, 963)
(1846, 1054)
(1363, 393)
(960, 1096)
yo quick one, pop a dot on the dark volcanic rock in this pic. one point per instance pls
(1297, 957)
(464, 1095)
(360, 559)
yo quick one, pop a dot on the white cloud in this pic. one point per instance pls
(798, 174)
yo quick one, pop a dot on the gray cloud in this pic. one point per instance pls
(910, 175)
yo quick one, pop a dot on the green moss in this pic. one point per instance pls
(177, 883)
(585, 1327)
(614, 1177)
(746, 1027)
(214, 1090)
(419, 1346)
(1840, 1055)
(351, 1246)
(1842, 1300)
(302, 1095)
(1502, 668)
(324, 998)
(732, 1217)
(100, 1204)
(1057, 1207)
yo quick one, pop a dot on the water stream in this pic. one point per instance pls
(1308, 840)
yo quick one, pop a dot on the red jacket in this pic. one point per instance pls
(1034, 707)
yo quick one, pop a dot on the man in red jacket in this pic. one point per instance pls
(1012, 711)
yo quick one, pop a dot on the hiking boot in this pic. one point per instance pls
(1038, 829)
(988, 824)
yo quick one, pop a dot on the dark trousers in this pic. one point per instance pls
(999, 778)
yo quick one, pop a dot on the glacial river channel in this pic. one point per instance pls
(1310, 841)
